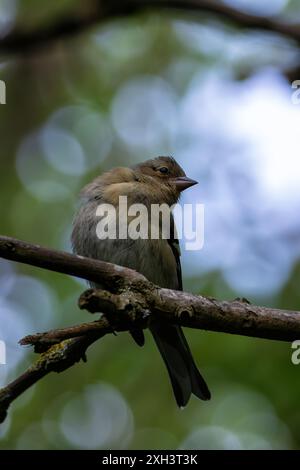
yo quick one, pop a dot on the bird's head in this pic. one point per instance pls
(166, 174)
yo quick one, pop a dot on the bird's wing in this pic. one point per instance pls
(173, 346)
(175, 247)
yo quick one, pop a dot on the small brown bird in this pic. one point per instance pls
(157, 181)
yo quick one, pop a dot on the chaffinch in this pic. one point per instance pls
(156, 181)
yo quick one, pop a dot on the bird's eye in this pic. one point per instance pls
(164, 170)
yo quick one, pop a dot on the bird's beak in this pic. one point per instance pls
(183, 182)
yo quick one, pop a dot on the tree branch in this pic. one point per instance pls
(92, 270)
(129, 293)
(129, 301)
(21, 41)
(56, 359)
(138, 307)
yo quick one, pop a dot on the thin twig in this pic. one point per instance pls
(22, 41)
(56, 359)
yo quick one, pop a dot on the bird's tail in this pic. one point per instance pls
(184, 375)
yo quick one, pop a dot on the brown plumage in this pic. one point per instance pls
(156, 181)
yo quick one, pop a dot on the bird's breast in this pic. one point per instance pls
(151, 257)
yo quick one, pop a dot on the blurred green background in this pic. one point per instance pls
(218, 98)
